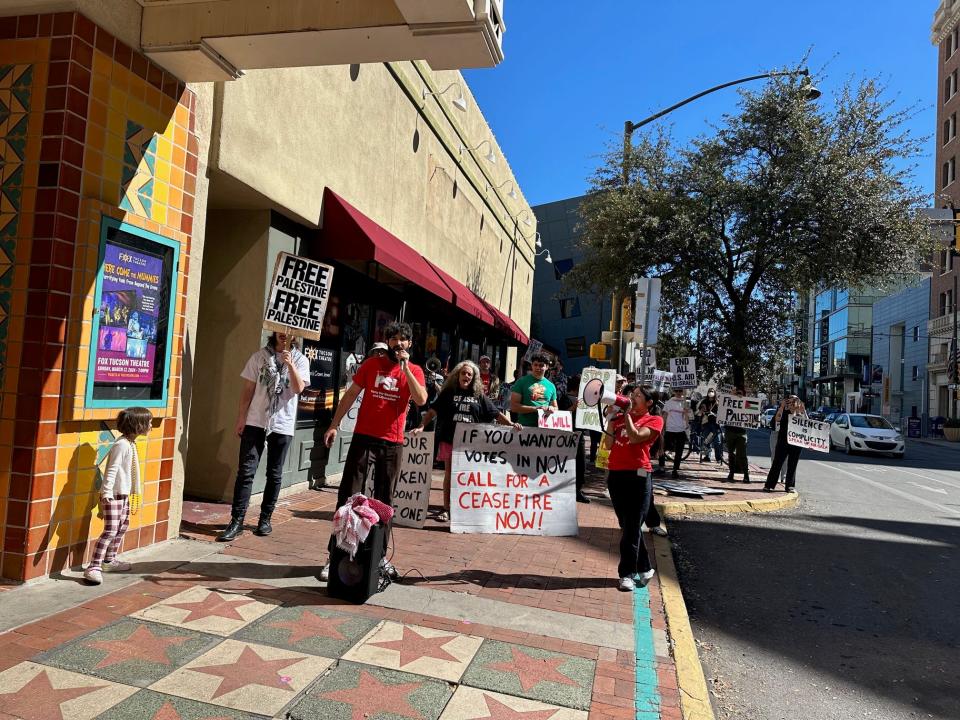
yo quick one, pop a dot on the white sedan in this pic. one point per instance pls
(857, 432)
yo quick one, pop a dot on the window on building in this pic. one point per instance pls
(944, 261)
(915, 373)
(942, 304)
(950, 86)
(916, 333)
(949, 172)
(562, 267)
(950, 43)
(569, 307)
(576, 347)
(949, 128)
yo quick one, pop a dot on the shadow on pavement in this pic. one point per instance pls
(874, 608)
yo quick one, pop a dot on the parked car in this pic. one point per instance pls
(821, 412)
(766, 417)
(859, 432)
(829, 419)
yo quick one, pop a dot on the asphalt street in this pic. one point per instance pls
(847, 606)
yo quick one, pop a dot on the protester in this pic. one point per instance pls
(736, 441)
(785, 452)
(568, 401)
(630, 481)
(506, 391)
(532, 393)
(773, 449)
(491, 383)
(388, 384)
(272, 379)
(120, 481)
(709, 428)
(558, 378)
(461, 400)
(676, 416)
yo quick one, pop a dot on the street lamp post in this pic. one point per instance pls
(812, 93)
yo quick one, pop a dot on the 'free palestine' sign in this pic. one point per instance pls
(298, 296)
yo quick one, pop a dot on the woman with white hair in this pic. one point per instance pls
(461, 400)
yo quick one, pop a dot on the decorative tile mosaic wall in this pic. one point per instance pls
(88, 128)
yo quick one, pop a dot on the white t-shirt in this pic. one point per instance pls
(673, 411)
(259, 370)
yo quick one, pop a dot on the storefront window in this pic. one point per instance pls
(133, 329)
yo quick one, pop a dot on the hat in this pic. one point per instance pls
(621, 378)
(484, 357)
(378, 346)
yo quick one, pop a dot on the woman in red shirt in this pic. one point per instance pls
(630, 480)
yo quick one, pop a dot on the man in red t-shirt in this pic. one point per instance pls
(388, 383)
(491, 383)
(630, 480)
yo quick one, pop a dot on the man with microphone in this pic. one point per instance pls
(388, 383)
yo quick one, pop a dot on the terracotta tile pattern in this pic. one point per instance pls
(89, 95)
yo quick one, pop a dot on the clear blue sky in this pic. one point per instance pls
(575, 71)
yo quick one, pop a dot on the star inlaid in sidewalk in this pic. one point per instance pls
(213, 606)
(39, 700)
(413, 646)
(249, 669)
(371, 697)
(169, 712)
(499, 711)
(311, 625)
(142, 644)
(532, 670)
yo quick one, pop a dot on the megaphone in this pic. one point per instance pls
(594, 395)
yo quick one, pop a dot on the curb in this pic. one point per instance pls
(694, 696)
(672, 509)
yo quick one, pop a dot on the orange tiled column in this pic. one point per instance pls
(93, 129)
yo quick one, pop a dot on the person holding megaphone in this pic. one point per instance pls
(630, 479)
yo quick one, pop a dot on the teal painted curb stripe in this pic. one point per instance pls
(647, 694)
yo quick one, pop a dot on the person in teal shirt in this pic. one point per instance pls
(532, 393)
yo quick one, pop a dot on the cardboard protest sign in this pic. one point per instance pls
(533, 348)
(557, 420)
(411, 497)
(662, 379)
(349, 421)
(298, 296)
(515, 482)
(806, 433)
(739, 412)
(684, 372)
(591, 417)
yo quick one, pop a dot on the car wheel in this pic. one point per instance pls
(846, 447)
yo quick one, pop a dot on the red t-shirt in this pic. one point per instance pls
(625, 455)
(386, 395)
(485, 381)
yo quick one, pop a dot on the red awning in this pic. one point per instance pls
(348, 234)
(505, 323)
(466, 299)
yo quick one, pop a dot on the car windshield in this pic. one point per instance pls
(870, 421)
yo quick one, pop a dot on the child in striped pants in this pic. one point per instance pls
(121, 479)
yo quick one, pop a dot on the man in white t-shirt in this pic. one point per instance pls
(272, 379)
(676, 417)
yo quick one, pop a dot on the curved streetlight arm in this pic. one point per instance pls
(629, 127)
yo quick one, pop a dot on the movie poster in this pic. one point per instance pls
(130, 299)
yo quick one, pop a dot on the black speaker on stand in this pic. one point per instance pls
(356, 580)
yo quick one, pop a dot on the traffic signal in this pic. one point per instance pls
(599, 351)
(626, 314)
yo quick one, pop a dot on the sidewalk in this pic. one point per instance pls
(481, 626)
(936, 442)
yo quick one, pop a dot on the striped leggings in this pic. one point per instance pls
(116, 518)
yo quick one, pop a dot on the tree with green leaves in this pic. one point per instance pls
(785, 197)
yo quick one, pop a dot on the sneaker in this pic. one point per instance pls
(93, 576)
(662, 532)
(767, 489)
(389, 570)
(645, 577)
(792, 490)
(443, 516)
(627, 584)
(117, 566)
(325, 573)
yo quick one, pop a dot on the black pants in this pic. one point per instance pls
(595, 436)
(737, 453)
(785, 453)
(673, 442)
(251, 449)
(365, 453)
(652, 518)
(581, 464)
(631, 495)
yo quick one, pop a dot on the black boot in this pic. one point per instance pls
(264, 527)
(233, 531)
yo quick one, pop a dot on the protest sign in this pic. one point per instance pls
(411, 496)
(684, 372)
(533, 348)
(739, 412)
(509, 481)
(590, 417)
(662, 379)
(349, 421)
(298, 296)
(806, 433)
(557, 420)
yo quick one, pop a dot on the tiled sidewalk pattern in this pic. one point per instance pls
(181, 645)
